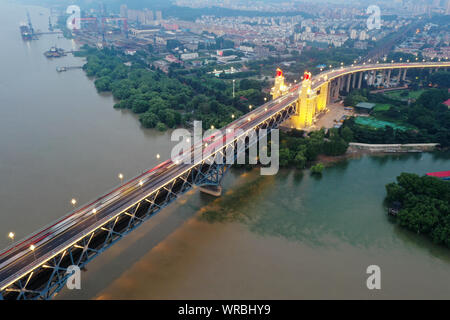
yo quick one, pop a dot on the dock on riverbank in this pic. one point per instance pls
(391, 148)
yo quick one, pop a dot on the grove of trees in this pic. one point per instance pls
(424, 205)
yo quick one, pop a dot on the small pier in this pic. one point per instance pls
(63, 69)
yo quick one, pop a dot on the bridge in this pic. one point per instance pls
(36, 267)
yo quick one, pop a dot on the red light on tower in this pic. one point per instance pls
(279, 72)
(307, 75)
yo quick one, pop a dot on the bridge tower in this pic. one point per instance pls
(306, 104)
(322, 97)
(279, 88)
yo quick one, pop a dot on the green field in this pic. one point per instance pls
(375, 123)
(381, 107)
(411, 94)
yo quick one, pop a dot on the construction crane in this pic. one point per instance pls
(30, 25)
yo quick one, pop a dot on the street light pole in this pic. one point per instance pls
(11, 235)
(32, 248)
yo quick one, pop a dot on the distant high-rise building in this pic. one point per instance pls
(159, 15)
(363, 35)
(148, 16)
(124, 11)
(447, 11)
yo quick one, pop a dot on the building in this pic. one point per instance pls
(159, 15)
(364, 107)
(189, 56)
(445, 175)
(148, 16)
(447, 103)
(124, 11)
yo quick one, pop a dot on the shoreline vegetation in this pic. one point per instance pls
(422, 205)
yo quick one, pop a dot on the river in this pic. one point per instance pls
(290, 236)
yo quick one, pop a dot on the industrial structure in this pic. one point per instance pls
(37, 266)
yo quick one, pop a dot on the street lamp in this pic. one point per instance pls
(11, 235)
(32, 248)
(250, 107)
(94, 212)
(232, 116)
(73, 202)
(120, 177)
(158, 156)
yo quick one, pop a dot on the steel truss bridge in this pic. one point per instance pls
(36, 267)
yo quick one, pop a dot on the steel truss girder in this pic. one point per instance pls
(49, 278)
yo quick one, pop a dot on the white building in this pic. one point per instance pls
(189, 56)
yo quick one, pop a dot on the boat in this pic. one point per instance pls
(61, 69)
(55, 52)
(26, 32)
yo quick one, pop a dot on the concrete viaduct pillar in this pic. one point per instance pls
(404, 74)
(349, 77)
(388, 81)
(354, 80)
(336, 89)
(360, 79)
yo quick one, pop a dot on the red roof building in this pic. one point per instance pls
(442, 174)
(447, 103)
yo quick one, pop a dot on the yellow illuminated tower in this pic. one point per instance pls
(279, 88)
(306, 104)
(322, 97)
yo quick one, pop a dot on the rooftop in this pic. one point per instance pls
(365, 105)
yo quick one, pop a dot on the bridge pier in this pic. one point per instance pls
(349, 78)
(360, 79)
(388, 83)
(215, 191)
(404, 74)
(354, 81)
